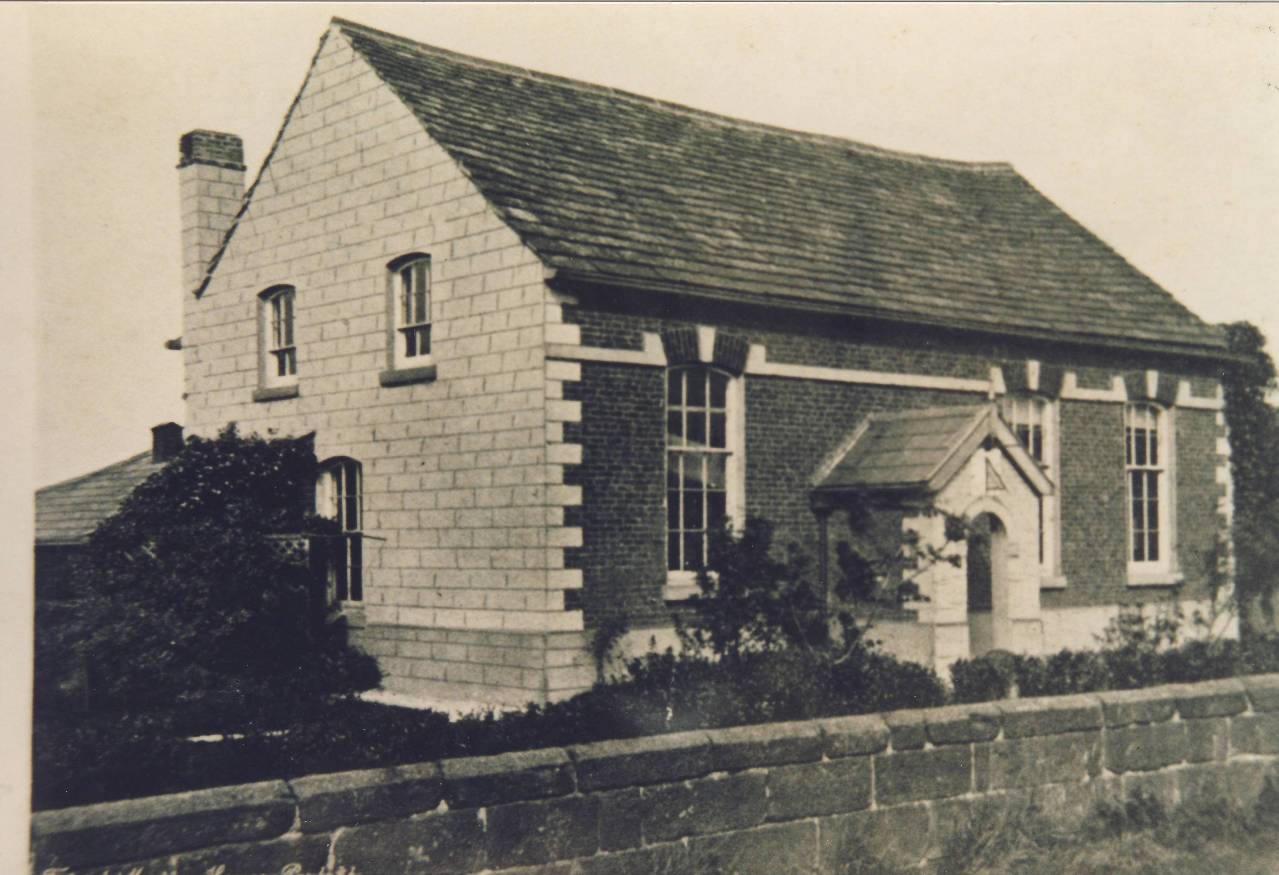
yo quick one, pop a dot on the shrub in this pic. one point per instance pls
(184, 598)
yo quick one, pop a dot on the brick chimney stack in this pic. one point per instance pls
(211, 182)
(166, 441)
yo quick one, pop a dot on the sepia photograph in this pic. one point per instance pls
(654, 438)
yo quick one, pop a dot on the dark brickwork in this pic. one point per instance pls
(791, 426)
(1094, 524)
(623, 552)
(1197, 494)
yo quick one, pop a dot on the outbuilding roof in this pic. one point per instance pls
(613, 188)
(68, 512)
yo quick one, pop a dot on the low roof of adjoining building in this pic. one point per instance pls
(68, 512)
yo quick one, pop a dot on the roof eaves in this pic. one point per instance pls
(568, 278)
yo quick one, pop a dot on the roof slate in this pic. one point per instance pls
(902, 451)
(67, 512)
(610, 187)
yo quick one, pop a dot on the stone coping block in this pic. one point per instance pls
(962, 724)
(347, 798)
(1221, 698)
(509, 777)
(906, 729)
(1126, 707)
(765, 744)
(1049, 715)
(653, 759)
(855, 735)
(1263, 691)
(135, 829)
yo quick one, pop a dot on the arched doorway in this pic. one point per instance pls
(987, 582)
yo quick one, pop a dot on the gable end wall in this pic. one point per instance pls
(464, 593)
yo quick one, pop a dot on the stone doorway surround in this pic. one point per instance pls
(926, 464)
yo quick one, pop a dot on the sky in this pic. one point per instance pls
(1155, 126)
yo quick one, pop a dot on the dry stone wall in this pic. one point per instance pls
(802, 797)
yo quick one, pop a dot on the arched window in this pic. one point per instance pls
(339, 496)
(1146, 464)
(703, 463)
(279, 352)
(411, 308)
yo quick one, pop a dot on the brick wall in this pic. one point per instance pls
(462, 476)
(622, 434)
(792, 797)
(792, 424)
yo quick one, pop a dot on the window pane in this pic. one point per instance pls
(696, 428)
(288, 318)
(1152, 486)
(719, 389)
(672, 551)
(692, 551)
(1154, 447)
(696, 388)
(715, 466)
(715, 508)
(1037, 443)
(674, 428)
(672, 470)
(357, 568)
(692, 471)
(693, 508)
(410, 344)
(719, 434)
(406, 295)
(1139, 446)
(420, 280)
(672, 510)
(1152, 546)
(675, 388)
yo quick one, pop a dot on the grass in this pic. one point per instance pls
(1138, 837)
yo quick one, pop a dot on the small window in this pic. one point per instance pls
(339, 496)
(411, 301)
(1146, 464)
(279, 351)
(1027, 416)
(1030, 418)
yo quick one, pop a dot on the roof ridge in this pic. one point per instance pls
(705, 115)
(79, 478)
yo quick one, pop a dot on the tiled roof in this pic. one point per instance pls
(921, 450)
(902, 450)
(67, 512)
(615, 188)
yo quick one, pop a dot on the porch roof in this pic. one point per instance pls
(919, 451)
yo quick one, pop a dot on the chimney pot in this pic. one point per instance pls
(166, 441)
(212, 147)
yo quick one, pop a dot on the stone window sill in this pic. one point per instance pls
(1155, 578)
(354, 614)
(275, 393)
(405, 376)
(1052, 581)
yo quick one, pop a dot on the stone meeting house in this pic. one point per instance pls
(548, 334)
